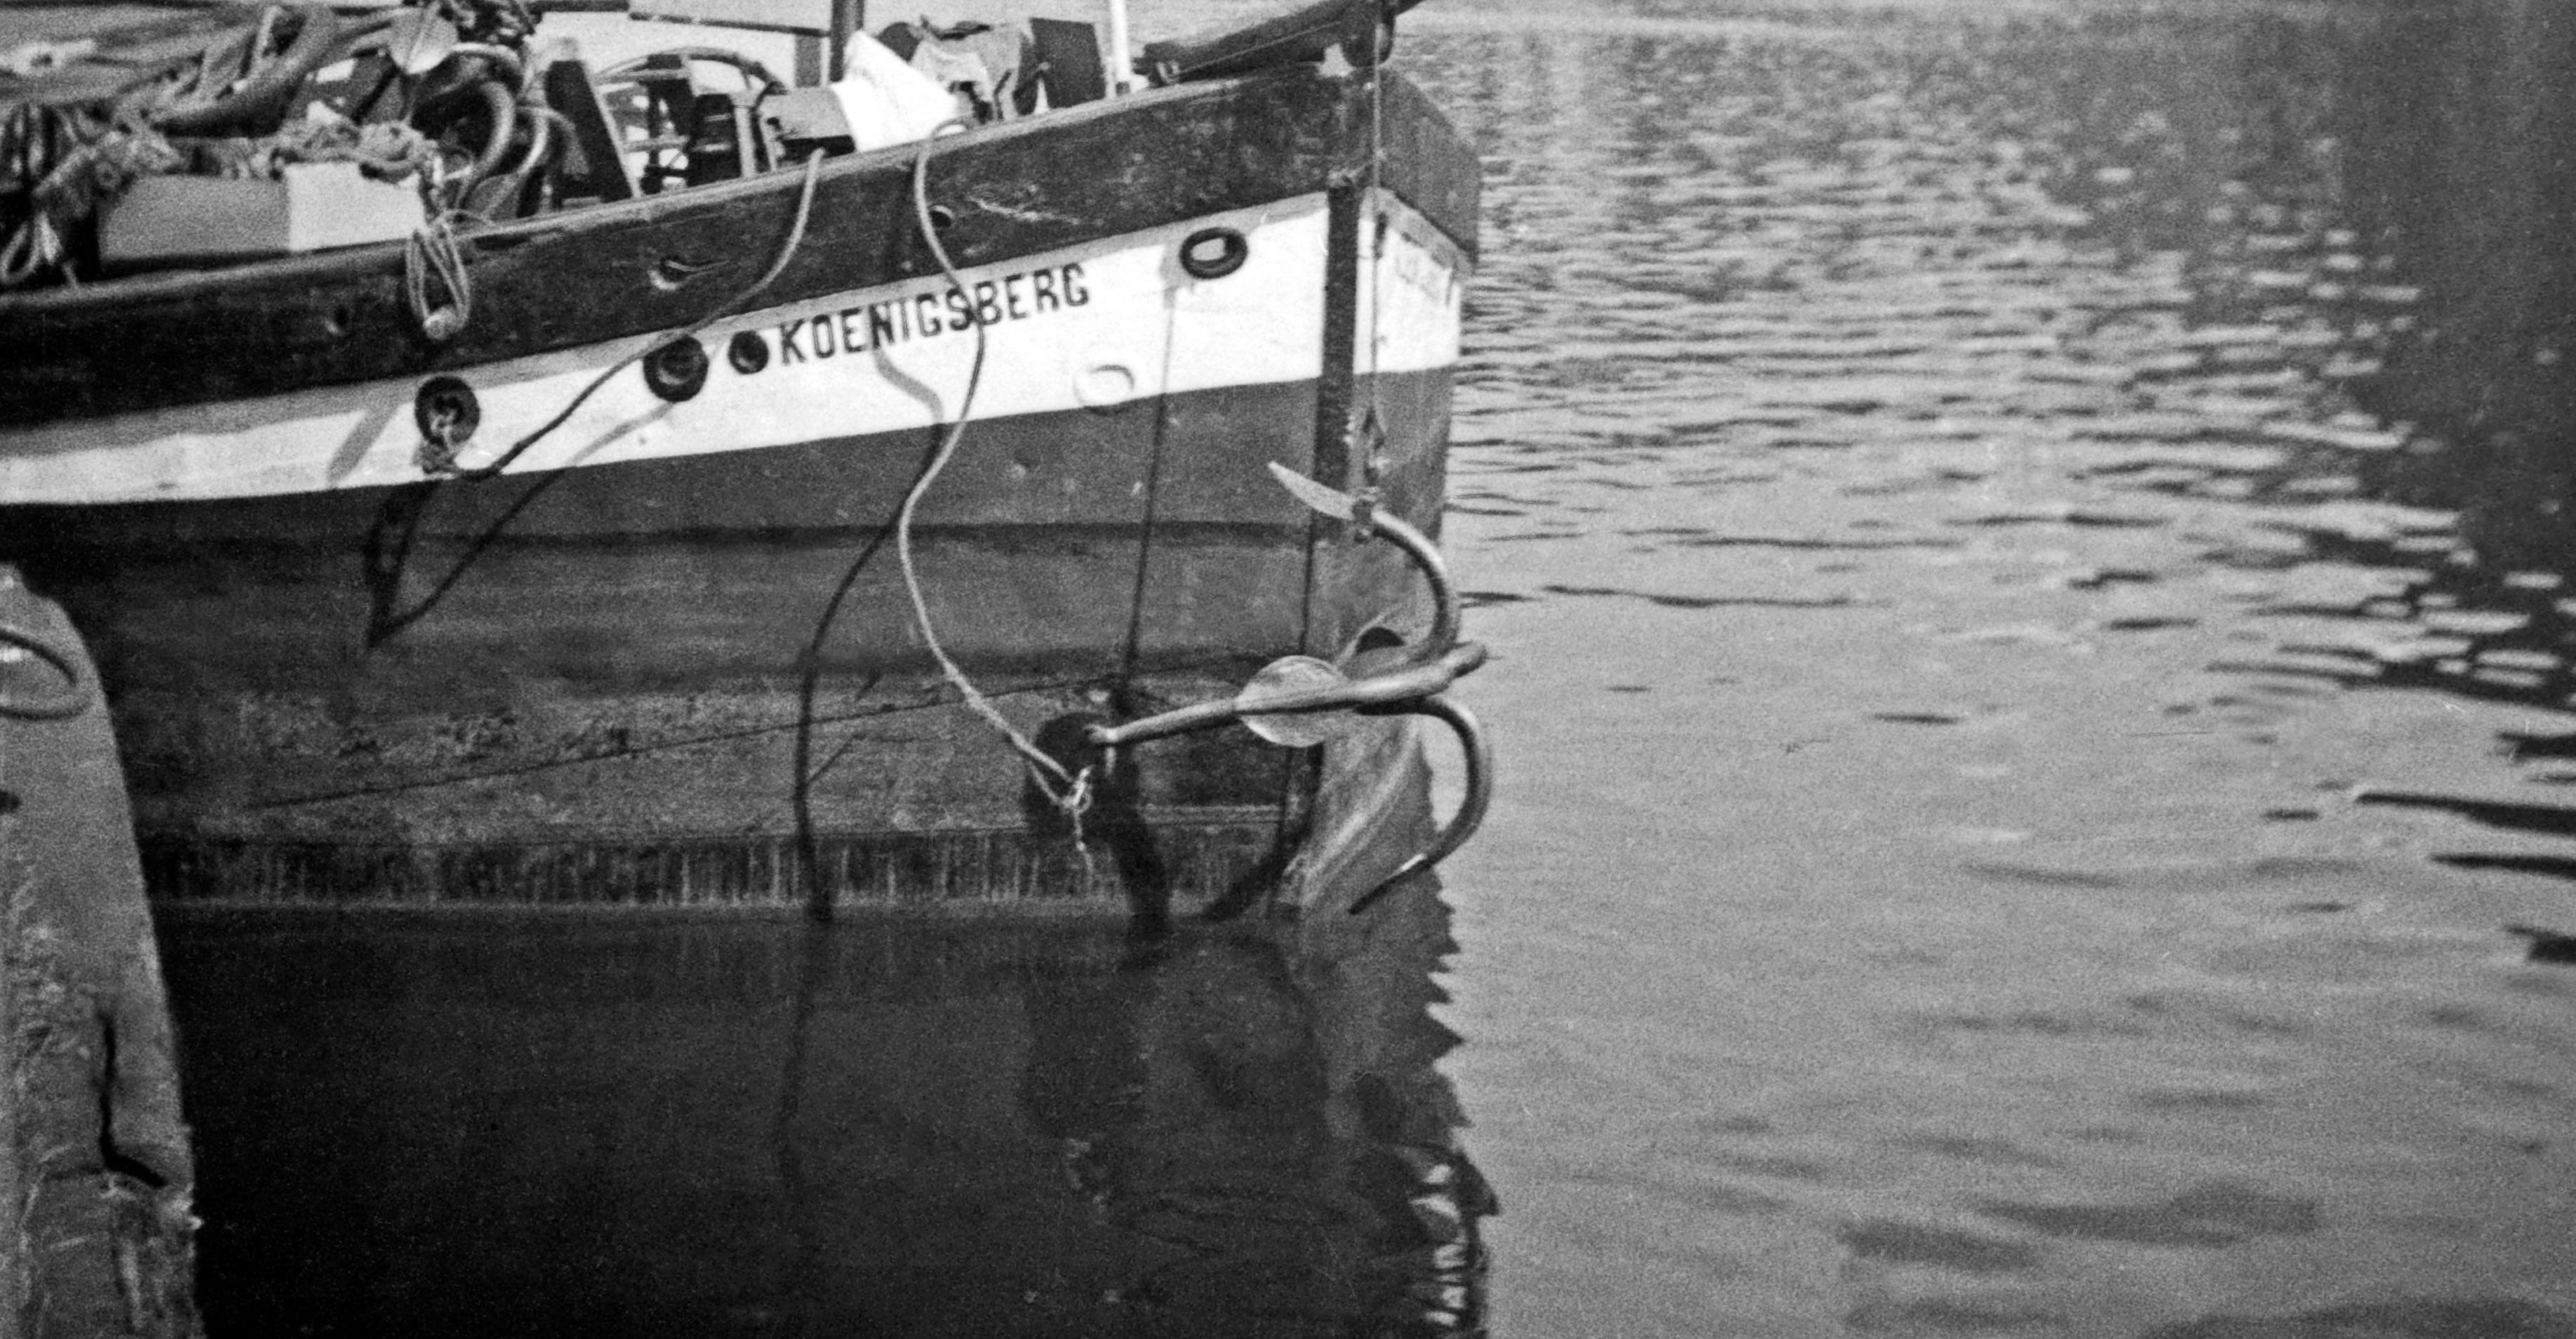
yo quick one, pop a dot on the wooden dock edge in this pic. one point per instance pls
(96, 1173)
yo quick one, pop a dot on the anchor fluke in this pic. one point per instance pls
(1299, 701)
(1286, 679)
(1331, 502)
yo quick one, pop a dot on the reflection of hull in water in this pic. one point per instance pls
(2458, 149)
(888, 1126)
(667, 657)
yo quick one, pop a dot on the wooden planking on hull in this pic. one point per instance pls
(1173, 870)
(563, 708)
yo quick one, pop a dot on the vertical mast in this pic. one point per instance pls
(847, 16)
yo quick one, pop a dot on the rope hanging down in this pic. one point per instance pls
(432, 254)
(1068, 791)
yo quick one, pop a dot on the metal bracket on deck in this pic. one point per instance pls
(1298, 701)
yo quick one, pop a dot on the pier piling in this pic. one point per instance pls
(96, 1233)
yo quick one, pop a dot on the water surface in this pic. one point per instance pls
(2024, 555)
(561, 1124)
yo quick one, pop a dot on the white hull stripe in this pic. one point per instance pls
(1092, 326)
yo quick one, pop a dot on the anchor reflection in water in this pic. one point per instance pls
(889, 1125)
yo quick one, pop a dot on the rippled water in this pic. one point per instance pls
(2023, 549)
(2024, 554)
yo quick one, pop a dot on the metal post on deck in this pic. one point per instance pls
(1122, 62)
(847, 16)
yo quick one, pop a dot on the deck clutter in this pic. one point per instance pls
(488, 477)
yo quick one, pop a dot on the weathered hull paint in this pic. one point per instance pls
(668, 659)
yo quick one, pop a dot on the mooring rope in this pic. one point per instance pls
(1068, 791)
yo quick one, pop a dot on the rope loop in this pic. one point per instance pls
(432, 253)
(1073, 804)
(1067, 790)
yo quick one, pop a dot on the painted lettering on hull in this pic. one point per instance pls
(1417, 267)
(883, 325)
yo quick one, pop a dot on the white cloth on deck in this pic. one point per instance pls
(885, 100)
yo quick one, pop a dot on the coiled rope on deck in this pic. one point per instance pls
(1069, 791)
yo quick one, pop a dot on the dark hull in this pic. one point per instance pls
(523, 709)
(696, 680)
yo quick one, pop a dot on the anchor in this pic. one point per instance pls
(1300, 701)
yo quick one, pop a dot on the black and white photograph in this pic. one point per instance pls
(1288, 669)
